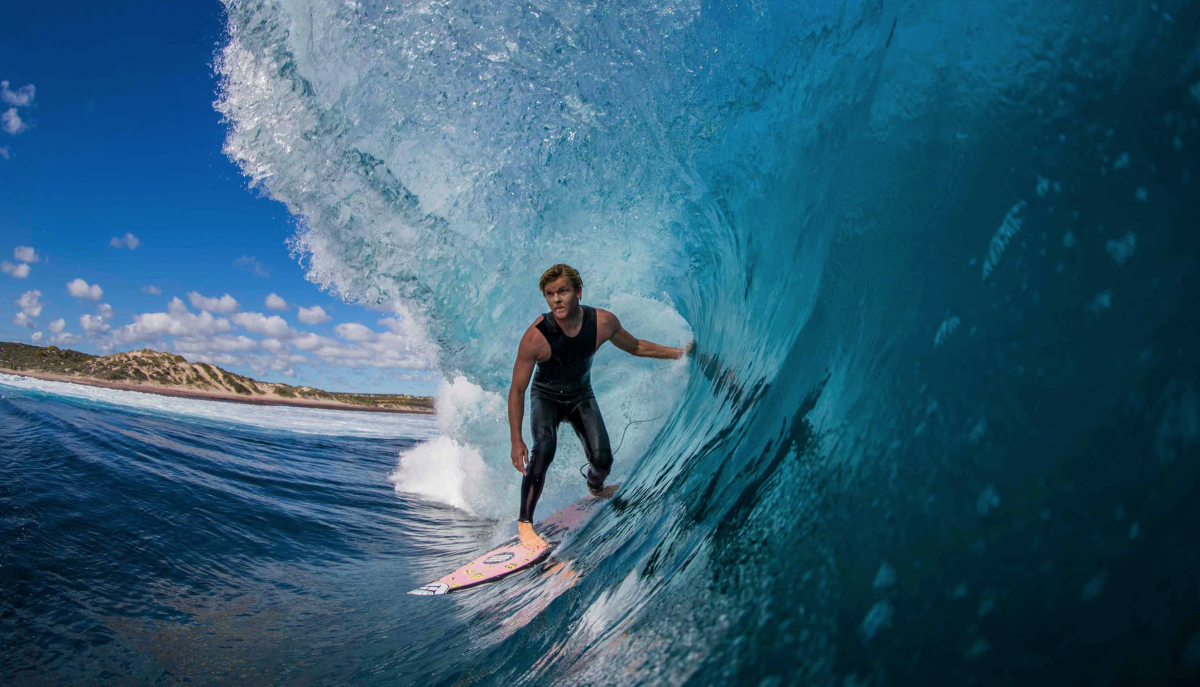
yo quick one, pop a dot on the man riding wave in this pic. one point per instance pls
(562, 343)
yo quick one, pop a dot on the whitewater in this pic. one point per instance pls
(940, 425)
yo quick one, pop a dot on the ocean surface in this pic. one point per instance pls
(942, 424)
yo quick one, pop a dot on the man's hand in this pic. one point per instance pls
(520, 455)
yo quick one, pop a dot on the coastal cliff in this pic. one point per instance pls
(168, 374)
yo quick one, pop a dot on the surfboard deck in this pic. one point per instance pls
(511, 557)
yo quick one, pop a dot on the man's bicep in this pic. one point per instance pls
(522, 371)
(623, 340)
(611, 330)
(526, 357)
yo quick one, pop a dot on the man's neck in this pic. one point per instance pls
(574, 317)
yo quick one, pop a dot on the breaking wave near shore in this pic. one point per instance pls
(938, 262)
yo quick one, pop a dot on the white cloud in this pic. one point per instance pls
(353, 331)
(251, 264)
(367, 348)
(80, 289)
(96, 324)
(23, 320)
(36, 337)
(225, 304)
(346, 355)
(57, 326)
(176, 307)
(215, 344)
(274, 326)
(4, 152)
(11, 122)
(276, 302)
(65, 339)
(92, 324)
(18, 271)
(176, 322)
(273, 345)
(25, 254)
(313, 315)
(128, 241)
(311, 342)
(29, 303)
(21, 97)
(152, 290)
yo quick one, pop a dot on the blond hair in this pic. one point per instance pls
(559, 271)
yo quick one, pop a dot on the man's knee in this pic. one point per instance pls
(542, 453)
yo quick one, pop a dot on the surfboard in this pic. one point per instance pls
(510, 556)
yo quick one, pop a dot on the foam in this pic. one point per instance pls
(452, 469)
(442, 471)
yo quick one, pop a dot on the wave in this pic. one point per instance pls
(811, 193)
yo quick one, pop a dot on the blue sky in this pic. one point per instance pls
(107, 132)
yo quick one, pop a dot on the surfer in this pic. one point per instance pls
(561, 344)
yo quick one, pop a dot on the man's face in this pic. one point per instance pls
(561, 296)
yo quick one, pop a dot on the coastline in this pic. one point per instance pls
(180, 392)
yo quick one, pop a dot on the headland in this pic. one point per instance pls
(166, 374)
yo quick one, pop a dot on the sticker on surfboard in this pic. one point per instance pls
(510, 556)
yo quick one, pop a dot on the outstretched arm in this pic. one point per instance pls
(641, 348)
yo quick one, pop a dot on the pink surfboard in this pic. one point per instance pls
(511, 556)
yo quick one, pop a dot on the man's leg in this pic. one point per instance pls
(543, 422)
(585, 419)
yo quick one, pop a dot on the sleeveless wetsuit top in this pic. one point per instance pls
(567, 375)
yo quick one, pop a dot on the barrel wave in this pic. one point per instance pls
(938, 260)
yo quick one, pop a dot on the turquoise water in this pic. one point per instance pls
(942, 422)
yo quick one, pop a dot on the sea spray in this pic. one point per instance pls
(450, 469)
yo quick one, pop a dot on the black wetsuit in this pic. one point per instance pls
(562, 390)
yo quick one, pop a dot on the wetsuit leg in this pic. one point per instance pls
(585, 419)
(544, 416)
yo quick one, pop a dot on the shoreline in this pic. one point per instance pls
(178, 392)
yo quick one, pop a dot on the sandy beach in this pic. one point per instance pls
(181, 392)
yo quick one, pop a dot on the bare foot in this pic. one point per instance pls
(529, 538)
(608, 491)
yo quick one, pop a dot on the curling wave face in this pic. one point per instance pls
(885, 228)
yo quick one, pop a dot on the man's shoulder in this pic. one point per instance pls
(606, 322)
(533, 334)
